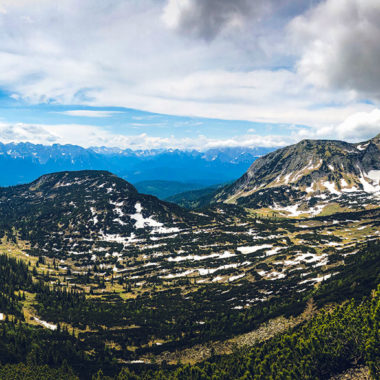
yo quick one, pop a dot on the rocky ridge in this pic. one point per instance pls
(308, 177)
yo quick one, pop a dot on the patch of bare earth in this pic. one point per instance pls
(357, 373)
(202, 352)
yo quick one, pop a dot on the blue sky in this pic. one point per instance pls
(188, 73)
(120, 120)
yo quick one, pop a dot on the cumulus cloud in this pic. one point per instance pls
(26, 133)
(339, 45)
(207, 18)
(357, 127)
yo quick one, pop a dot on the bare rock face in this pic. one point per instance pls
(305, 177)
(357, 373)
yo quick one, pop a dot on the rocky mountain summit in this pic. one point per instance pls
(311, 177)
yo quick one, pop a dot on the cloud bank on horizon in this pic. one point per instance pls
(296, 69)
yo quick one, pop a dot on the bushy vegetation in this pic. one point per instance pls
(14, 280)
(331, 342)
(32, 372)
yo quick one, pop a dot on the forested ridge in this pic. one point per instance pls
(332, 341)
(329, 343)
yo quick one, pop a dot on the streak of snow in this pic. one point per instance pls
(286, 178)
(274, 251)
(192, 257)
(224, 255)
(317, 279)
(362, 146)
(181, 274)
(276, 275)
(116, 238)
(237, 277)
(45, 324)
(307, 257)
(94, 215)
(246, 250)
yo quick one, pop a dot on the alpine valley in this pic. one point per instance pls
(273, 276)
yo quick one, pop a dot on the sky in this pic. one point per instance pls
(188, 74)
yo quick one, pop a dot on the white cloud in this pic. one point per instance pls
(121, 53)
(260, 95)
(89, 113)
(339, 45)
(357, 127)
(88, 135)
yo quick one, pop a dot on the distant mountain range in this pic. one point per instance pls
(310, 178)
(24, 162)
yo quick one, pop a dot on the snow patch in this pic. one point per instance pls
(247, 250)
(362, 146)
(316, 210)
(142, 222)
(237, 277)
(45, 324)
(374, 175)
(331, 187)
(308, 258)
(316, 279)
(116, 238)
(192, 257)
(274, 251)
(286, 178)
(291, 210)
(276, 275)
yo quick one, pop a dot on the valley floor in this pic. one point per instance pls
(181, 297)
